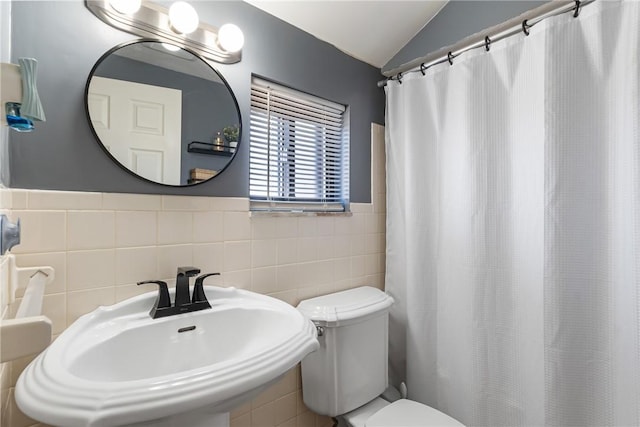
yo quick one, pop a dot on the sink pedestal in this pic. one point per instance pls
(199, 418)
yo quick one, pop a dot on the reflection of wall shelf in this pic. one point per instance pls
(211, 149)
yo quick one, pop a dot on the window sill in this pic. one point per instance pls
(267, 214)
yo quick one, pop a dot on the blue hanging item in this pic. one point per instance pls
(15, 120)
(31, 107)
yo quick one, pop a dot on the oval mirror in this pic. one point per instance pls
(163, 113)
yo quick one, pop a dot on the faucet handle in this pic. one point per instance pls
(198, 289)
(188, 271)
(163, 301)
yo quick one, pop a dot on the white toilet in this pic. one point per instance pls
(346, 376)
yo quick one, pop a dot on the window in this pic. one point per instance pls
(299, 151)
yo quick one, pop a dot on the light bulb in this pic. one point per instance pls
(128, 7)
(230, 38)
(183, 17)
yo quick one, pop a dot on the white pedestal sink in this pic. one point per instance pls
(116, 366)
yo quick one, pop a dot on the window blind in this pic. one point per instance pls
(299, 151)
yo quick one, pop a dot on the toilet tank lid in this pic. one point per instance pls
(345, 307)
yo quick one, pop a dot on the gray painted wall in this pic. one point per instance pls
(457, 20)
(67, 40)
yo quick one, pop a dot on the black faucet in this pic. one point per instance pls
(183, 303)
(182, 285)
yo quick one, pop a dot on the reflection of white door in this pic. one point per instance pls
(140, 125)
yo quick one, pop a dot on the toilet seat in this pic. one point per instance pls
(407, 413)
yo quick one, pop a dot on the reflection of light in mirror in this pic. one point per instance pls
(170, 47)
(183, 17)
(126, 6)
(230, 38)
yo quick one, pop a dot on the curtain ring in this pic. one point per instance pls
(422, 68)
(400, 78)
(577, 11)
(450, 58)
(525, 27)
(487, 43)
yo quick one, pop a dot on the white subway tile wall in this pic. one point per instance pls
(136, 228)
(101, 244)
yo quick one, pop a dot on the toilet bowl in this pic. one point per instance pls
(346, 376)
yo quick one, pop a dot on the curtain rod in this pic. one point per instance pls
(484, 39)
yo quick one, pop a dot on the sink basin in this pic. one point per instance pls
(117, 366)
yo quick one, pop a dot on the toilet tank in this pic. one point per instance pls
(350, 368)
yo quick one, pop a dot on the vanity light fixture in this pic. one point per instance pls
(230, 38)
(183, 17)
(157, 22)
(128, 7)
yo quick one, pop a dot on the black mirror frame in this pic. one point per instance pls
(99, 142)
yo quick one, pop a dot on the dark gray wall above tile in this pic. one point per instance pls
(457, 20)
(67, 40)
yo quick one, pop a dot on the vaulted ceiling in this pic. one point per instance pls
(372, 31)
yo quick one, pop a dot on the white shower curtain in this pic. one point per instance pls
(513, 230)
